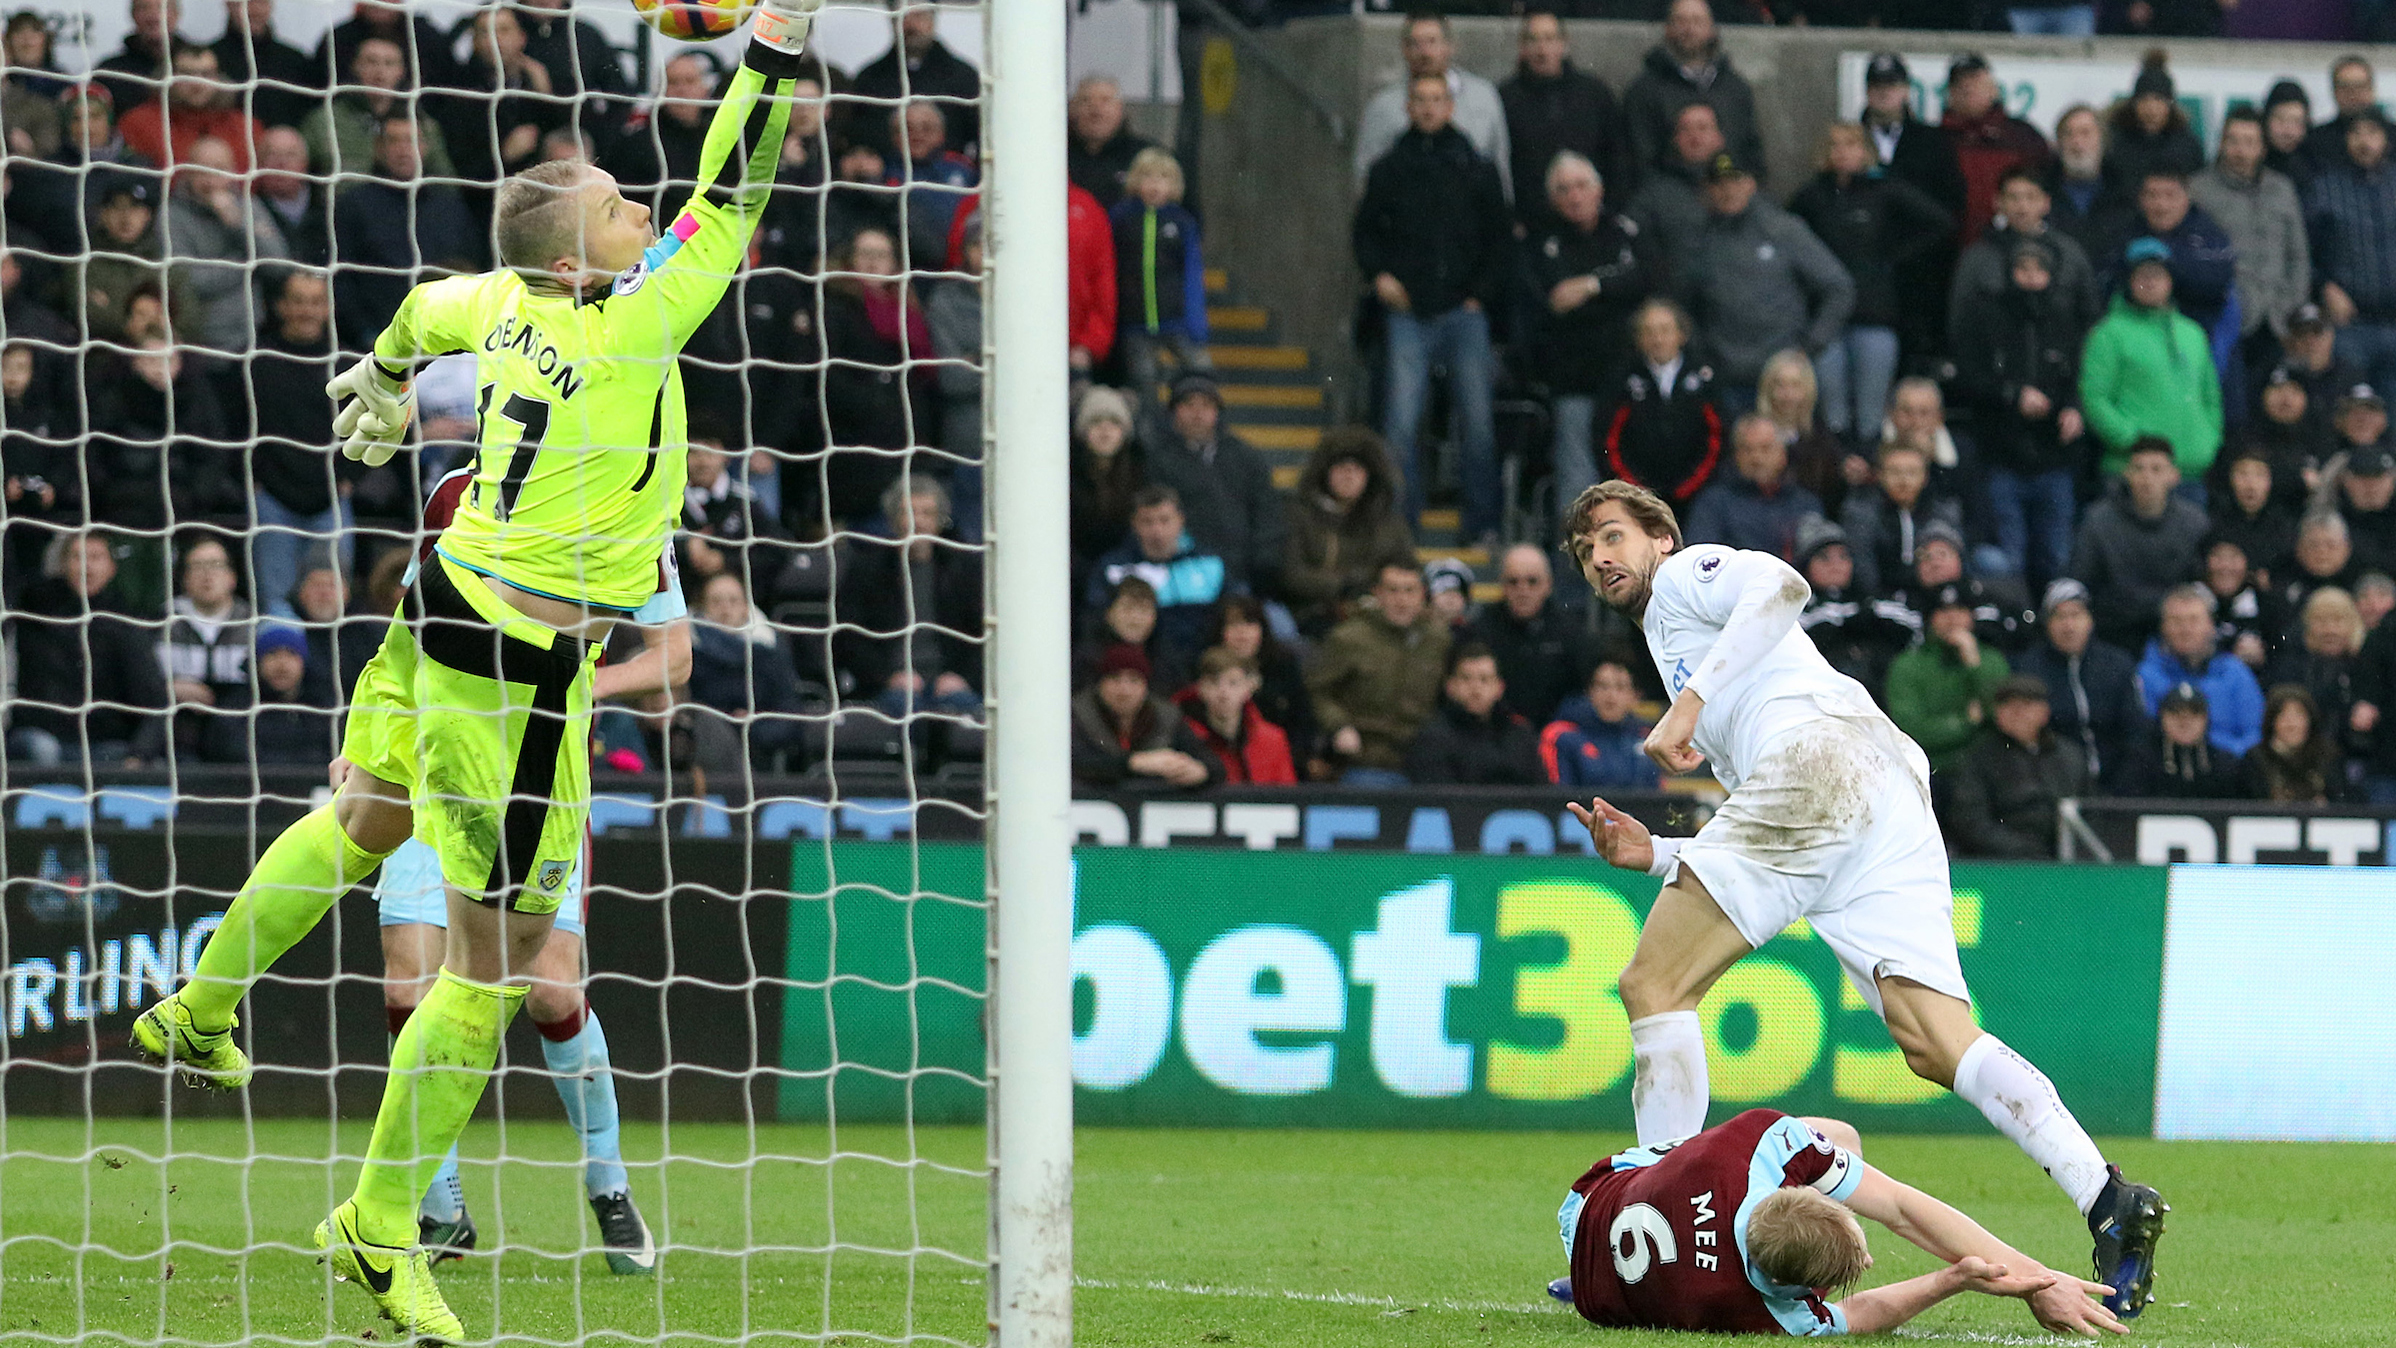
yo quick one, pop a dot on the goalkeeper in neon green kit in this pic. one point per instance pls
(470, 728)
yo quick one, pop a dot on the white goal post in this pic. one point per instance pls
(1029, 786)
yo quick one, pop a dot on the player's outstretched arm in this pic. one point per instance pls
(1884, 1308)
(683, 276)
(2062, 1303)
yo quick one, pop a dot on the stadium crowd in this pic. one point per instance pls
(2078, 444)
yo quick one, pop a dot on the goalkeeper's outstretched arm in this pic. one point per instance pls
(683, 275)
(566, 228)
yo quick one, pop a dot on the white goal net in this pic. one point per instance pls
(776, 1045)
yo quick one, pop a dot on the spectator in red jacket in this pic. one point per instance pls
(201, 104)
(1089, 275)
(1222, 712)
(1987, 139)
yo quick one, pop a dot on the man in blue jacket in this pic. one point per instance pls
(1596, 740)
(1187, 579)
(2092, 687)
(2187, 651)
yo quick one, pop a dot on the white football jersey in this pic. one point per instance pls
(1746, 710)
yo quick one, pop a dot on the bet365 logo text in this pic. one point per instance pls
(1266, 1009)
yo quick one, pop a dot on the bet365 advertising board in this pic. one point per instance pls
(1371, 990)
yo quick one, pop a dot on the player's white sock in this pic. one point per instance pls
(2023, 1105)
(1668, 1081)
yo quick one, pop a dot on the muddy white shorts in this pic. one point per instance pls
(1834, 826)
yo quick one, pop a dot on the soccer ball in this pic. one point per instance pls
(693, 20)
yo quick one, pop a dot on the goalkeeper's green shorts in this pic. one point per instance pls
(485, 715)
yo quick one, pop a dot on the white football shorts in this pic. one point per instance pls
(409, 889)
(1835, 826)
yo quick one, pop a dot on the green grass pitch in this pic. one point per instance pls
(1304, 1238)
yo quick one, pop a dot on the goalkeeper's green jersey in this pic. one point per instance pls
(580, 473)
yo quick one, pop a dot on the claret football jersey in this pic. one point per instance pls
(1661, 1240)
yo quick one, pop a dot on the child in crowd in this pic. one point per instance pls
(1160, 281)
(1222, 712)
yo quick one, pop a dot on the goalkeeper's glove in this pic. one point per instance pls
(374, 419)
(783, 24)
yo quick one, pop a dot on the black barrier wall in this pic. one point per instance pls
(97, 923)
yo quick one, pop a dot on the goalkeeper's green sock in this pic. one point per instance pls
(439, 1067)
(301, 874)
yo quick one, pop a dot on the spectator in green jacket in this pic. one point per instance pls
(1377, 677)
(1940, 691)
(2148, 370)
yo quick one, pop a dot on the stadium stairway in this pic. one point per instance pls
(1273, 399)
(1272, 394)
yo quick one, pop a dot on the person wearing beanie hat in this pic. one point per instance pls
(2180, 758)
(2017, 367)
(1226, 487)
(2149, 132)
(2293, 432)
(283, 726)
(1125, 737)
(1101, 403)
(2092, 685)
(1449, 583)
(1857, 633)
(1107, 468)
(2147, 370)
(2287, 120)
(2251, 503)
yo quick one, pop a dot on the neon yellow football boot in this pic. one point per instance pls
(165, 1034)
(399, 1279)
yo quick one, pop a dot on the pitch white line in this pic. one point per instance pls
(1391, 1304)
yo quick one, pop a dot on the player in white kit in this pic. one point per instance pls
(1829, 820)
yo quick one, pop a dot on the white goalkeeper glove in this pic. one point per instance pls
(374, 419)
(783, 24)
